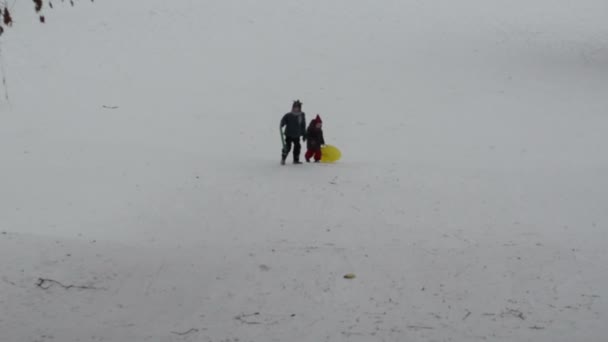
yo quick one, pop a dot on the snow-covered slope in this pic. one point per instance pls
(141, 198)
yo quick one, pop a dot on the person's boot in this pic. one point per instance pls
(297, 161)
(282, 160)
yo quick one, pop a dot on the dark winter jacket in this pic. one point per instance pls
(295, 124)
(314, 137)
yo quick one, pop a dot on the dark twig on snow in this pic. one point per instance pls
(467, 315)
(419, 327)
(45, 284)
(185, 332)
(257, 318)
(109, 107)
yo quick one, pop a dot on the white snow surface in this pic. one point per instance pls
(141, 196)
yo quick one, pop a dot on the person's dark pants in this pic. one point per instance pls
(296, 148)
(313, 153)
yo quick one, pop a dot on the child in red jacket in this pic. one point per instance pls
(314, 139)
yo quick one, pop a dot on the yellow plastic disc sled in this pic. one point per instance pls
(330, 154)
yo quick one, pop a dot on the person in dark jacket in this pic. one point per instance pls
(314, 136)
(295, 127)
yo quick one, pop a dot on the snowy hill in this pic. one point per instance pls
(142, 197)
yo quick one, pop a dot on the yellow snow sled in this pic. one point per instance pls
(330, 154)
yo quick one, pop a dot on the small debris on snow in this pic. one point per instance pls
(243, 318)
(514, 313)
(45, 284)
(185, 332)
(419, 327)
(8, 281)
(349, 276)
(436, 315)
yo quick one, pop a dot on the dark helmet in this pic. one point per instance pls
(297, 104)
